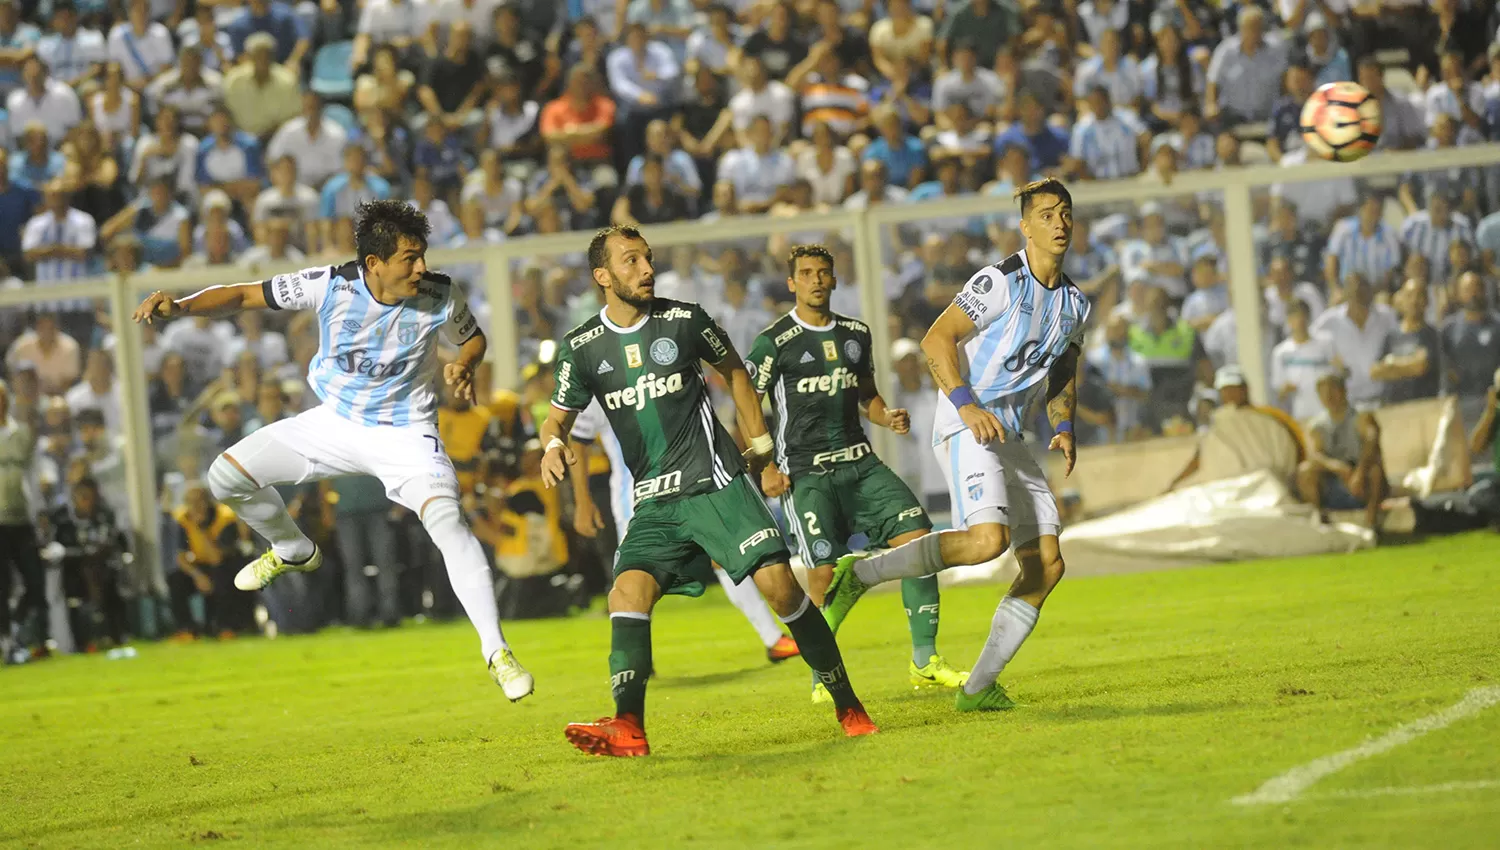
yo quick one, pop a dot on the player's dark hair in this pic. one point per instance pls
(1298, 306)
(1046, 186)
(599, 253)
(800, 251)
(379, 227)
(89, 416)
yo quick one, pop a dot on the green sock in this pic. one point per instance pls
(920, 596)
(821, 653)
(630, 663)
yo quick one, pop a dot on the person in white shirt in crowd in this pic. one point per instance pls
(1344, 469)
(59, 242)
(269, 347)
(1156, 253)
(393, 22)
(167, 154)
(72, 54)
(1429, 232)
(41, 98)
(1297, 362)
(759, 96)
(900, 35)
(288, 199)
(681, 173)
(98, 391)
(314, 140)
(491, 199)
(913, 392)
(1106, 142)
(1112, 68)
(1210, 296)
(1283, 289)
(204, 33)
(445, 226)
(143, 47)
(202, 344)
(511, 120)
(190, 88)
(1455, 94)
(274, 248)
(1410, 366)
(1126, 375)
(980, 89)
(1358, 329)
(1362, 245)
(874, 188)
(53, 355)
(1244, 76)
(711, 42)
(759, 171)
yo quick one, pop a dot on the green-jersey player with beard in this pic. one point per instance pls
(642, 357)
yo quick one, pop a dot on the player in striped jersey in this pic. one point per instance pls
(593, 426)
(377, 361)
(641, 359)
(1014, 332)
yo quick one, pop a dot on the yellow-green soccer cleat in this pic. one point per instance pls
(993, 698)
(265, 569)
(820, 694)
(843, 591)
(937, 674)
(511, 676)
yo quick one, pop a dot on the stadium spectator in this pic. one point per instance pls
(986, 25)
(510, 124)
(342, 195)
(366, 539)
(1302, 249)
(568, 191)
(274, 245)
(777, 46)
(275, 19)
(1411, 364)
(1170, 348)
(41, 98)
(1358, 328)
(18, 541)
(1402, 126)
(104, 454)
(445, 227)
(1283, 289)
(1323, 53)
(1297, 362)
(214, 44)
(1127, 377)
(1171, 81)
(191, 89)
(89, 543)
(387, 87)
(167, 154)
(37, 163)
(440, 156)
(72, 54)
(828, 93)
(1429, 232)
(759, 95)
(387, 149)
(142, 47)
(59, 242)
(1362, 245)
(1345, 469)
(1471, 345)
(1245, 73)
(494, 201)
(313, 139)
(873, 187)
(643, 75)
(1286, 113)
(211, 544)
(1105, 144)
(393, 22)
(229, 160)
(99, 391)
(1241, 438)
(758, 171)
(260, 94)
(651, 201)
(169, 396)
(511, 51)
(453, 82)
(287, 198)
(580, 118)
(827, 166)
(162, 225)
(901, 35)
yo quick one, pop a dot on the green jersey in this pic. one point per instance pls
(649, 380)
(815, 376)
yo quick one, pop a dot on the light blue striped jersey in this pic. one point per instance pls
(1020, 328)
(377, 363)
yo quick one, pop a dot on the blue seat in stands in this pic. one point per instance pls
(331, 75)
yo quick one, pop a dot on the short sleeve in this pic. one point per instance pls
(304, 290)
(461, 325)
(866, 365)
(984, 297)
(713, 343)
(569, 393)
(761, 364)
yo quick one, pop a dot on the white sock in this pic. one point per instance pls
(921, 557)
(1013, 621)
(468, 571)
(746, 597)
(262, 509)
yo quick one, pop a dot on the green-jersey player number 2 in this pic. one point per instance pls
(694, 502)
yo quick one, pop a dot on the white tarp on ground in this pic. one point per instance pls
(1236, 519)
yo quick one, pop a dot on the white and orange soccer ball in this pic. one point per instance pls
(1341, 121)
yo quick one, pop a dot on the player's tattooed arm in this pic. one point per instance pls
(1062, 404)
(214, 302)
(940, 346)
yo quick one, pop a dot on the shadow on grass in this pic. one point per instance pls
(660, 680)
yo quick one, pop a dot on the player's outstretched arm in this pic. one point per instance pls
(746, 408)
(214, 302)
(554, 436)
(940, 346)
(1062, 405)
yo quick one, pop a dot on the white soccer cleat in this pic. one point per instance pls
(511, 676)
(265, 569)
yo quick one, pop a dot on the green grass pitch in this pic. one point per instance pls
(1149, 702)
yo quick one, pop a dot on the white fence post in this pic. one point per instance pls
(1244, 290)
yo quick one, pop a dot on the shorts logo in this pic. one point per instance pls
(822, 549)
(351, 326)
(633, 356)
(406, 334)
(664, 352)
(756, 539)
(844, 455)
(983, 284)
(830, 350)
(976, 491)
(852, 351)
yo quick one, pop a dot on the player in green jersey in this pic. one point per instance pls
(641, 359)
(819, 368)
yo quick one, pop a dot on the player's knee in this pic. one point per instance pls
(780, 588)
(634, 591)
(225, 480)
(987, 542)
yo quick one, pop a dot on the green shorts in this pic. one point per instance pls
(675, 540)
(826, 509)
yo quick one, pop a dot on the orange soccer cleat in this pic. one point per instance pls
(783, 649)
(856, 722)
(610, 736)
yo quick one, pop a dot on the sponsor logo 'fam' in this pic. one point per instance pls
(756, 539)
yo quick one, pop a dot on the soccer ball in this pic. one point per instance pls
(1341, 121)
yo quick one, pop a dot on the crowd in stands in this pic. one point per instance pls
(155, 134)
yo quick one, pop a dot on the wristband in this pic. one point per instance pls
(761, 445)
(1064, 427)
(554, 443)
(962, 395)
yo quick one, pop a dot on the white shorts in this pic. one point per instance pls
(319, 444)
(1003, 478)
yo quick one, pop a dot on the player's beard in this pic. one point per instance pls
(638, 299)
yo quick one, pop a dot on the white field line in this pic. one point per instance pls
(1407, 790)
(1290, 785)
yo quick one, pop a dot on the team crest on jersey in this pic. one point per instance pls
(351, 326)
(852, 350)
(633, 356)
(822, 549)
(1067, 324)
(983, 284)
(406, 333)
(830, 350)
(664, 352)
